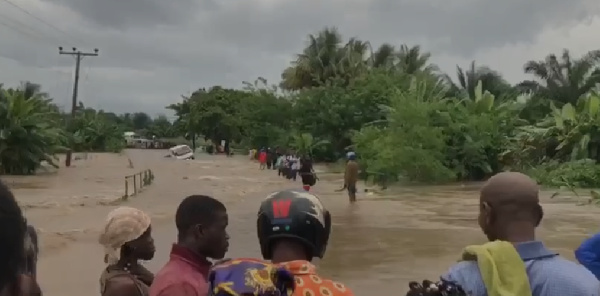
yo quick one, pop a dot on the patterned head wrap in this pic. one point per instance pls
(239, 277)
(123, 224)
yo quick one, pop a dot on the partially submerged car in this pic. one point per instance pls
(182, 152)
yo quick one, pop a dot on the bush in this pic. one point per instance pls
(579, 174)
(408, 146)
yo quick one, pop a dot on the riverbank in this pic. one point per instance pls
(405, 234)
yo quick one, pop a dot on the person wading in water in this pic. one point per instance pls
(351, 176)
(13, 279)
(509, 213)
(126, 238)
(307, 174)
(262, 159)
(293, 227)
(201, 233)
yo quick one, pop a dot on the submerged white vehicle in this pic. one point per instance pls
(182, 152)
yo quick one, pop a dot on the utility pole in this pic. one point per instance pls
(79, 55)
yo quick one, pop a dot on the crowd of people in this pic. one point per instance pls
(293, 228)
(290, 165)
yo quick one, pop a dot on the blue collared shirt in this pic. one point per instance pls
(549, 274)
(588, 254)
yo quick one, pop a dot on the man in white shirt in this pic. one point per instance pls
(295, 166)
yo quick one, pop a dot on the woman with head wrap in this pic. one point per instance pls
(126, 239)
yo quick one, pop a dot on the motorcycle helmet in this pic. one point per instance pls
(293, 214)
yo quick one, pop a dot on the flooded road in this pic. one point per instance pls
(380, 243)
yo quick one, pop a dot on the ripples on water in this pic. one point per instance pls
(377, 244)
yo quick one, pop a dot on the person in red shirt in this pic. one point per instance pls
(201, 234)
(262, 158)
(293, 227)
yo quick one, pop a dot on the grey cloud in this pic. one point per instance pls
(123, 14)
(465, 26)
(469, 26)
(186, 44)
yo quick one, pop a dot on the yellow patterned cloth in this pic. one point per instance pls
(123, 224)
(242, 277)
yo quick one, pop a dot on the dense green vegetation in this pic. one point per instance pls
(406, 120)
(33, 129)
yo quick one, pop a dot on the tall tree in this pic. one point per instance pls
(563, 79)
(412, 60)
(468, 79)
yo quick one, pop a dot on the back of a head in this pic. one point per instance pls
(197, 209)
(295, 215)
(12, 239)
(507, 186)
(514, 195)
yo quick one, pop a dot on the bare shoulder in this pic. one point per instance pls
(121, 285)
(29, 286)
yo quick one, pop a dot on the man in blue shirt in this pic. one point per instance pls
(509, 210)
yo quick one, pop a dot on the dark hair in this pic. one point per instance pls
(197, 209)
(12, 240)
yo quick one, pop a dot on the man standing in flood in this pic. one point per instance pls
(293, 228)
(351, 176)
(201, 234)
(514, 262)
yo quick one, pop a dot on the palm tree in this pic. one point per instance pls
(326, 57)
(411, 60)
(93, 131)
(316, 63)
(28, 89)
(29, 133)
(491, 81)
(383, 57)
(563, 80)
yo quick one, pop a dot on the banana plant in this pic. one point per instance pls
(577, 128)
(305, 143)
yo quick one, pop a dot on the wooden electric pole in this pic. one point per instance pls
(79, 55)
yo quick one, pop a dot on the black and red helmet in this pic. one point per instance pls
(294, 214)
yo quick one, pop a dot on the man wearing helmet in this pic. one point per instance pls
(293, 227)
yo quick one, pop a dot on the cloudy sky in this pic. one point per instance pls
(153, 51)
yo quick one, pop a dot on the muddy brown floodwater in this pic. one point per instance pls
(379, 243)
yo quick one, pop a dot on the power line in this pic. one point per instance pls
(20, 26)
(21, 31)
(41, 20)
